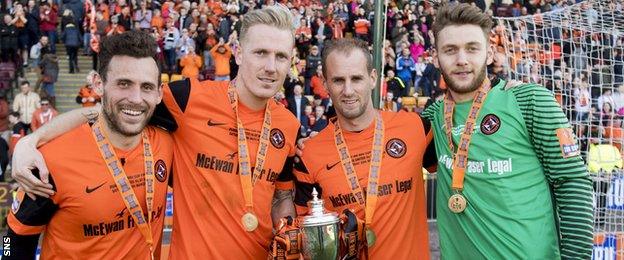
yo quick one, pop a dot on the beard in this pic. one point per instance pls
(353, 114)
(114, 122)
(474, 85)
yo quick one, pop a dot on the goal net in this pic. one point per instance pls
(577, 52)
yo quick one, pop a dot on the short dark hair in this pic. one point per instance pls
(25, 82)
(460, 14)
(346, 45)
(136, 44)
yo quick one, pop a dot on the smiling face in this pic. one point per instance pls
(462, 54)
(264, 59)
(130, 98)
(349, 83)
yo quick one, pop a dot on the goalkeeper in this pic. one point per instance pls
(511, 183)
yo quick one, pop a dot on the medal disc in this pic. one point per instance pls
(250, 222)
(457, 203)
(370, 237)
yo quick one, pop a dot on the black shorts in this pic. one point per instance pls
(23, 40)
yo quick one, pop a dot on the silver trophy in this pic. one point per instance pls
(320, 239)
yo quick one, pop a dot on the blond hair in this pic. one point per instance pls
(277, 16)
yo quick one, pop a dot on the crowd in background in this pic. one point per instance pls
(198, 39)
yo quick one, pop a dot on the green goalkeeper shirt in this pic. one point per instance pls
(528, 191)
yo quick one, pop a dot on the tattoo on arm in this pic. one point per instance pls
(91, 115)
(282, 195)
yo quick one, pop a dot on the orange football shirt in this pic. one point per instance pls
(208, 197)
(89, 219)
(399, 219)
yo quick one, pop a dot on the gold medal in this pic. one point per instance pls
(370, 237)
(250, 222)
(457, 203)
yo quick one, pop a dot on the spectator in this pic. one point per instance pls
(5, 132)
(144, 16)
(307, 120)
(298, 102)
(321, 32)
(582, 99)
(606, 97)
(394, 84)
(20, 21)
(72, 39)
(87, 96)
(67, 17)
(43, 114)
(77, 8)
(389, 104)
(420, 69)
(191, 63)
(281, 98)
(26, 102)
(184, 43)
(225, 27)
(49, 20)
(221, 53)
(8, 40)
(312, 62)
(303, 38)
(389, 56)
(157, 20)
(320, 120)
(398, 32)
(618, 100)
(318, 87)
(88, 23)
(125, 19)
(417, 48)
(184, 21)
(405, 66)
(607, 115)
(171, 36)
(49, 75)
(4, 158)
(337, 26)
(362, 26)
(618, 67)
(115, 27)
(32, 26)
(18, 129)
(38, 50)
(429, 81)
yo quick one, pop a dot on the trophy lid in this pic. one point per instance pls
(316, 213)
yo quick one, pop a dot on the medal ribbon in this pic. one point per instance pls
(123, 184)
(461, 157)
(247, 178)
(375, 168)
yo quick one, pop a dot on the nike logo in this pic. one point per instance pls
(329, 167)
(211, 123)
(230, 156)
(120, 214)
(87, 190)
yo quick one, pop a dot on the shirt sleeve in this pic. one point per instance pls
(430, 159)
(304, 184)
(28, 216)
(285, 178)
(22, 246)
(175, 100)
(557, 149)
